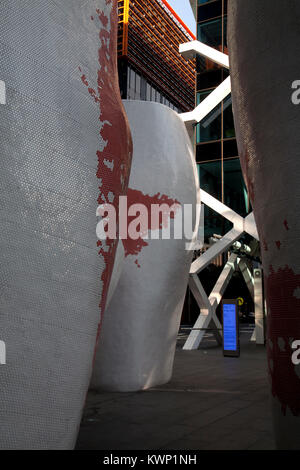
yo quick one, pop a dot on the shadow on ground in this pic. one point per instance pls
(212, 402)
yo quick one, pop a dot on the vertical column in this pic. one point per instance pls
(125, 27)
(259, 307)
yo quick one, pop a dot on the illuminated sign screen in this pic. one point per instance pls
(230, 328)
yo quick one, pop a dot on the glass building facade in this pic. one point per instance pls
(216, 148)
(150, 66)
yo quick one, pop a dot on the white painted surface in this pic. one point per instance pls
(50, 267)
(116, 274)
(140, 327)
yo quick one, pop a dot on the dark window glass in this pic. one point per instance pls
(209, 10)
(210, 33)
(210, 151)
(211, 182)
(210, 127)
(225, 6)
(228, 122)
(230, 148)
(211, 178)
(235, 193)
(225, 35)
(209, 78)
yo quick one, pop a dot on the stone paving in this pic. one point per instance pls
(211, 403)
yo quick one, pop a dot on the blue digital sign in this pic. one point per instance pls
(230, 333)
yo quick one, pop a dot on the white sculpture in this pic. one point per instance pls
(140, 327)
(65, 147)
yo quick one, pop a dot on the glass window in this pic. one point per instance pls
(211, 178)
(210, 127)
(225, 35)
(208, 10)
(209, 151)
(210, 175)
(235, 193)
(228, 122)
(210, 33)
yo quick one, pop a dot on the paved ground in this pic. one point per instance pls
(212, 402)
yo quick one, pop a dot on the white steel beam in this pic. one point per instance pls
(250, 226)
(198, 292)
(259, 307)
(217, 249)
(247, 275)
(208, 104)
(208, 305)
(190, 49)
(223, 280)
(223, 210)
(196, 335)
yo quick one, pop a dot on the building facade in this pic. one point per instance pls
(216, 148)
(150, 66)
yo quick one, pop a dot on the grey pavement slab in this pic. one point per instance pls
(211, 403)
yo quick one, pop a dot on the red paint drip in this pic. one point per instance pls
(115, 132)
(285, 223)
(278, 244)
(284, 323)
(134, 247)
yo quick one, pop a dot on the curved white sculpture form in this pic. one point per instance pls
(264, 46)
(116, 272)
(65, 148)
(140, 327)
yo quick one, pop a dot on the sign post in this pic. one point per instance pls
(231, 340)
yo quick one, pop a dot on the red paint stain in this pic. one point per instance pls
(115, 132)
(285, 223)
(278, 244)
(265, 245)
(102, 17)
(134, 247)
(283, 322)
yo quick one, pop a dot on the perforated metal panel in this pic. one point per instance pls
(62, 122)
(264, 46)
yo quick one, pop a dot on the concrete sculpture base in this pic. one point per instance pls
(140, 327)
(65, 148)
(264, 46)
